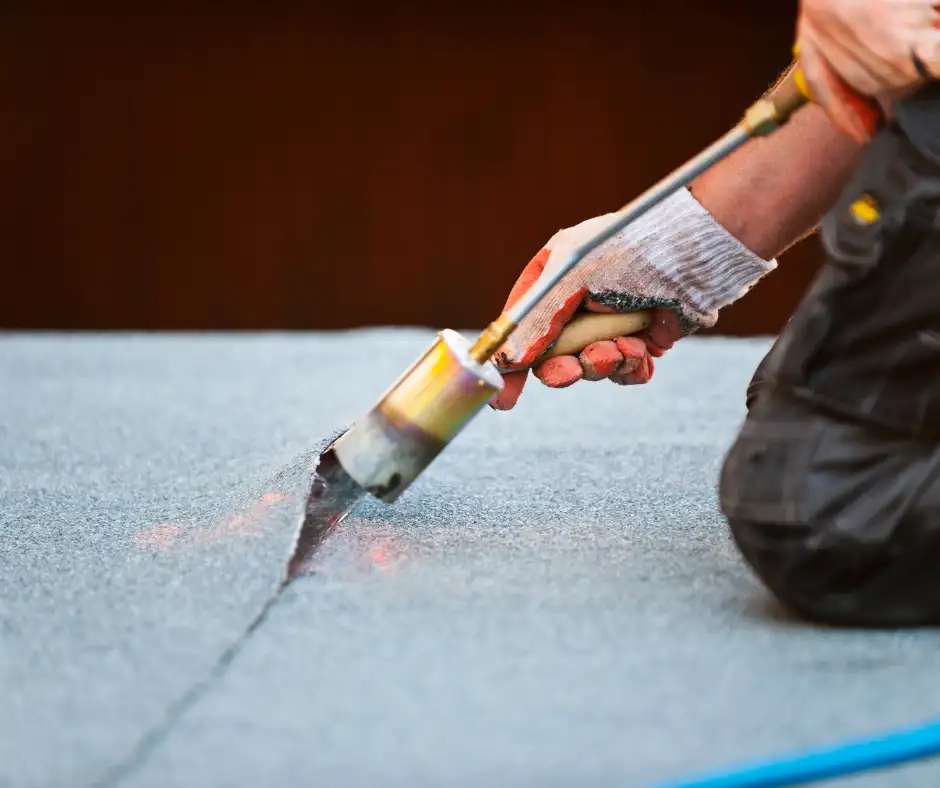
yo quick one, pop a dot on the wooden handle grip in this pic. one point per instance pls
(594, 327)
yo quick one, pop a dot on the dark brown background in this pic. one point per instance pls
(335, 165)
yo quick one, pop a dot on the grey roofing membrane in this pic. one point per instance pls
(555, 602)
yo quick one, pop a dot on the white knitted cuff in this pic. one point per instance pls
(709, 267)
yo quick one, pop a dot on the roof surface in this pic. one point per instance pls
(555, 602)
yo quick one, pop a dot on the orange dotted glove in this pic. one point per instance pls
(675, 260)
(622, 360)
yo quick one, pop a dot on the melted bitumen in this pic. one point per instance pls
(334, 494)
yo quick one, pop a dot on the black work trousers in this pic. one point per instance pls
(832, 487)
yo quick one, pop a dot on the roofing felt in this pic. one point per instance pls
(555, 602)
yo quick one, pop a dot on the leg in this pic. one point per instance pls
(832, 488)
(840, 521)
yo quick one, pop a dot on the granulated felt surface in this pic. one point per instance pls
(555, 602)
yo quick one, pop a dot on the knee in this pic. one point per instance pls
(763, 507)
(823, 585)
(822, 552)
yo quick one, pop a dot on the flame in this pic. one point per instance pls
(247, 523)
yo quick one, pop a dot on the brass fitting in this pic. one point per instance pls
(770, 112)
(761, 119)
(492, 338)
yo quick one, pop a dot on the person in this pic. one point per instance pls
(832, 486)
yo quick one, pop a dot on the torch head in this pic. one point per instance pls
(417, 417)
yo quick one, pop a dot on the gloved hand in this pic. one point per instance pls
(675, 259)
(856, 51)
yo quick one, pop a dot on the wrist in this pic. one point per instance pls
(708, 266)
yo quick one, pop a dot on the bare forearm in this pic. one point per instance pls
(774, 190)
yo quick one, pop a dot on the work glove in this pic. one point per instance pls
(675, 260)
(856, 54)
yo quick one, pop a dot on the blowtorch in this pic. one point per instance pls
(441, 392)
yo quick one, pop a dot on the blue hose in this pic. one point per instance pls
(839, 760)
